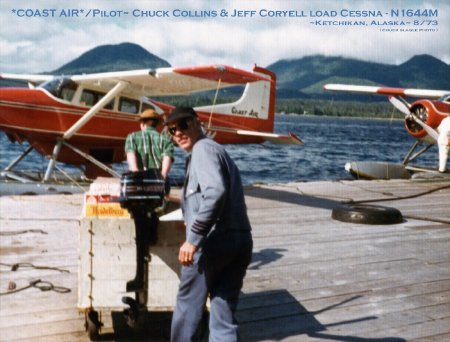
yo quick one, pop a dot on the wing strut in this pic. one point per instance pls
(214, 102)
(410, 158)
(80, 123)
(19, 158)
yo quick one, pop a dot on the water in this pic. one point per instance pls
(329, 144)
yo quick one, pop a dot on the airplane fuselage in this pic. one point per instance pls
(85, 119)
(40, 118)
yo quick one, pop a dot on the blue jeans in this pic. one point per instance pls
(218, 270)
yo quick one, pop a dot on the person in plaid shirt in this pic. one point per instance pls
(147, 148)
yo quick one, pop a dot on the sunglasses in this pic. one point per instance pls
(180, 126)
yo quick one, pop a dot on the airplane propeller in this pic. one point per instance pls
(400, 105)
(416, 116)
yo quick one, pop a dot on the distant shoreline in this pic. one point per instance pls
(338, 117)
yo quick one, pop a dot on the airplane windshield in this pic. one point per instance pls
(61, 87)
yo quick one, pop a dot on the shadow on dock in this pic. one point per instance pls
(265, 256)
(276, 315)
(292, 198)
(154, 325)
(268, 315)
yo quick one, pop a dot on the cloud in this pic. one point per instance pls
(33, 44)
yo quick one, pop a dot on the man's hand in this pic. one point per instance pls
(173, 199)
(186, 254)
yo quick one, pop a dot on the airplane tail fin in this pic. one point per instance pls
(250, 119)
(255, 109)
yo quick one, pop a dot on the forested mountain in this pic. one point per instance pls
(125, 56)
(305, 77)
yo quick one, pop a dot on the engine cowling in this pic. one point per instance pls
(427, 112)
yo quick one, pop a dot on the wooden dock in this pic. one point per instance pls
(312, 278)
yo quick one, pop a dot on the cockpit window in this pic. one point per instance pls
(129, 105)
(67, 93)
(64, 88)
(61, 87)
(90, 98)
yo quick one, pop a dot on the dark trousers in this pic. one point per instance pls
(218, 270)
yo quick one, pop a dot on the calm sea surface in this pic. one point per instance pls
(329, 144)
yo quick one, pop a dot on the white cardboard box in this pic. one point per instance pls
(107, 260)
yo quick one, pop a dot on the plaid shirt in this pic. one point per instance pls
(152, 143)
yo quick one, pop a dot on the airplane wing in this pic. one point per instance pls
(172, 81)
(160, 81)
(279, 139)
(30, 78)
(421, 93)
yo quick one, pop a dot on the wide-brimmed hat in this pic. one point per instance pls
(180, 113)
(149, 114)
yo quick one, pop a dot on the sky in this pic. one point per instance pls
(42, 35)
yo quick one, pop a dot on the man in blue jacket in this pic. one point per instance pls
(218, 246)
